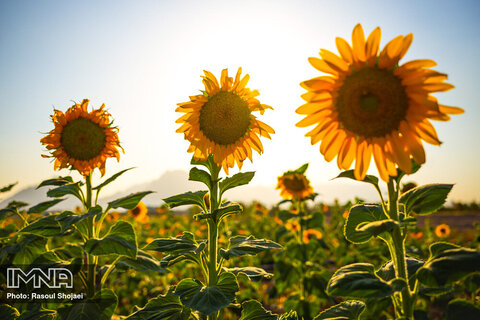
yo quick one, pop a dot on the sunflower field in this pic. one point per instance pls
(203, 256)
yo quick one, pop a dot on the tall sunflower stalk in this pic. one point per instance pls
(370, 106)
(222, 132)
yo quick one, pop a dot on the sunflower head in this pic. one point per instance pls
(140, 212)
(367, 105)
(294, 185)
(442, 230)
(293, 226)
(311, 234)
(81, 139)
(221, 121)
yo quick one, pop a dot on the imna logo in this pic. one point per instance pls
(53, 278)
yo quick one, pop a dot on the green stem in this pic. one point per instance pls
(109, 270)
(92, 260)
(215, 201)
(398, 254)
(25, 222)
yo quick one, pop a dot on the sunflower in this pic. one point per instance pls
(368, 105)
(139, 213)
(220, 122)
(81, 139)
(442, 230)
(294, 186)
(311, 234)
(293, 226)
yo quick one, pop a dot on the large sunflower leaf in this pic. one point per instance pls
(207, 299)
(129, 202)
(347, 310)
(241, 245)
(425, 199)
(120, 239)
(253, 310)
(236, 180)
(187, 198)
(166, 307)
(360, 216)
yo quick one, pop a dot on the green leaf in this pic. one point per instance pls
(143, 262)
(111, 179)
(184, 243)
(200, 176)
(425, 199)
(449, 266)
(7, 312)
(348, 310)
(291, 315)
(241, 245)
(253, 310)
(187, 198)
(8, 187)
(7, 230)
(358, 280)
(27, 248)
(207, 299)
(387, 271)
(252, 273)
(226, 209)
(350, 174)
(45, 227)
(462, 309)
(236, 180)
(378, 227)
(43, 206)
(101, 307)
(437, 248)
(34, 314)
(401, 174)
(129, 202)
(67, 219)
(166, 307)
(120, 239)
(360, 215)
(209, 163)
(60, 181)
(66, 189)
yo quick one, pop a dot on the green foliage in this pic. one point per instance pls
(101, 307)
(252, 273)
(207, 299)
(200, 176)
(239, 179)
(43, 206)
(241, 245)
(448, 266)
(166, 307)
(359, 281)
(350, 174)
(348, 310)
(187, 198)
(462, 309)
(143, 262)
(130, 201)
(7, 312)
(253, 310)
(425, 199)
(120, 239)
(362, 214)
(72, 188)
(111, 179)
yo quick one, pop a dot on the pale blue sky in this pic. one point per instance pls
(140, 58)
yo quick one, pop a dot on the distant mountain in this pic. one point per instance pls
(176, 182)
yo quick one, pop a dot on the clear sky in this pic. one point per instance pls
(141, 58)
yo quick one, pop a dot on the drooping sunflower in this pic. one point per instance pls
(81, 139)
(294, 185)
(369, 105)
(220, 122)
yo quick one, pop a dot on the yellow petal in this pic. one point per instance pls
(358, 43)
(344, 49)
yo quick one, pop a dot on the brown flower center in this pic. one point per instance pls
(225, 118)
(83, 139)
(295, 182)
(371, 102)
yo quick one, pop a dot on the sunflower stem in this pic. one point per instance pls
(213, 233)
(91, 234)
(398, 254)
